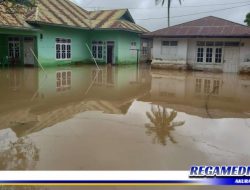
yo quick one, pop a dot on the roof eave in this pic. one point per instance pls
(120, 29)
(57, 25)
(19, 28)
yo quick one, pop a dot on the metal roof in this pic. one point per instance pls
(66, 13)
(112, 19)
(60, 12)
(204, 27)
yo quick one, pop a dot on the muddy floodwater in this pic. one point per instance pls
(122, 118)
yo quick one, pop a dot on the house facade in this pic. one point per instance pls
(207, 44)
(59, 32)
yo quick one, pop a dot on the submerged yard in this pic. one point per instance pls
(122, 118)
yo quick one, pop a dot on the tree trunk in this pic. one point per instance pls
(169, 3)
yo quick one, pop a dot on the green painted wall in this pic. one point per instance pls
(47, 50)
(125, 55)
(122, 41)
(104, 35)
(6, 33)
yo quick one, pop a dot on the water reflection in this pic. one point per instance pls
(83, 116)
(162, 124)
(37, 101)
(206, 95)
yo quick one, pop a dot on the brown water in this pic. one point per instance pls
(122, 118)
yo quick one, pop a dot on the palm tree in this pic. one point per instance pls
(169, 6)
(162, 123)
(247, 20)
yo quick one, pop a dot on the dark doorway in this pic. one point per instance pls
(110, 52)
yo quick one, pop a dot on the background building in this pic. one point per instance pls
(209, 43)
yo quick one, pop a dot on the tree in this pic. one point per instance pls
(162, 123)
(169, 6)
(247, 20)
(18, 6)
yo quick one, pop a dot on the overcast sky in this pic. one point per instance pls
(234, 10)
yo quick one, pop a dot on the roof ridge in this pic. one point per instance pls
(77, 6)
(229, 21)
(125, 9)
(209, 26)
(188, 22)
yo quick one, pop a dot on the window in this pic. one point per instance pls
(165, 43)
(133, 48)
(97, 49)
(133, 44)
(200, 43)
(173, 43)
(169, 43)
(14, 48)
(169, 49)
(212, 52)
(219, 43)
(218, 55)
(144, 48)
(232, 44)
(63, 49)
(200, 55)
(209, 43)
(209, 55)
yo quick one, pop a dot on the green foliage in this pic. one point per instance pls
(18, 6)
(247, 20)
(28, 3)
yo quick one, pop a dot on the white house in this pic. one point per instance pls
(208, 43)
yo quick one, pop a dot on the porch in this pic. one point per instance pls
(17, 50)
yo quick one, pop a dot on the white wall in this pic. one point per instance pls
(245, 54)
(187, 51)
(181, 52)
(244, 51)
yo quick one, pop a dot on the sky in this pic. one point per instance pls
(144, 10)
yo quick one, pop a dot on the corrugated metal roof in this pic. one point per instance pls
(111, 19)
(66, 13)
(60, 12)
(204, 27)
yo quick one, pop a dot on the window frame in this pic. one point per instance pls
(170, 43)
(205, 45)
(220, 54)
(67, 51)
(14, 42)
(98, 44)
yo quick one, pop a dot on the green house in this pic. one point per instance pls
(58, 32)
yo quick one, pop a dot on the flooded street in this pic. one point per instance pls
(122, 118)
